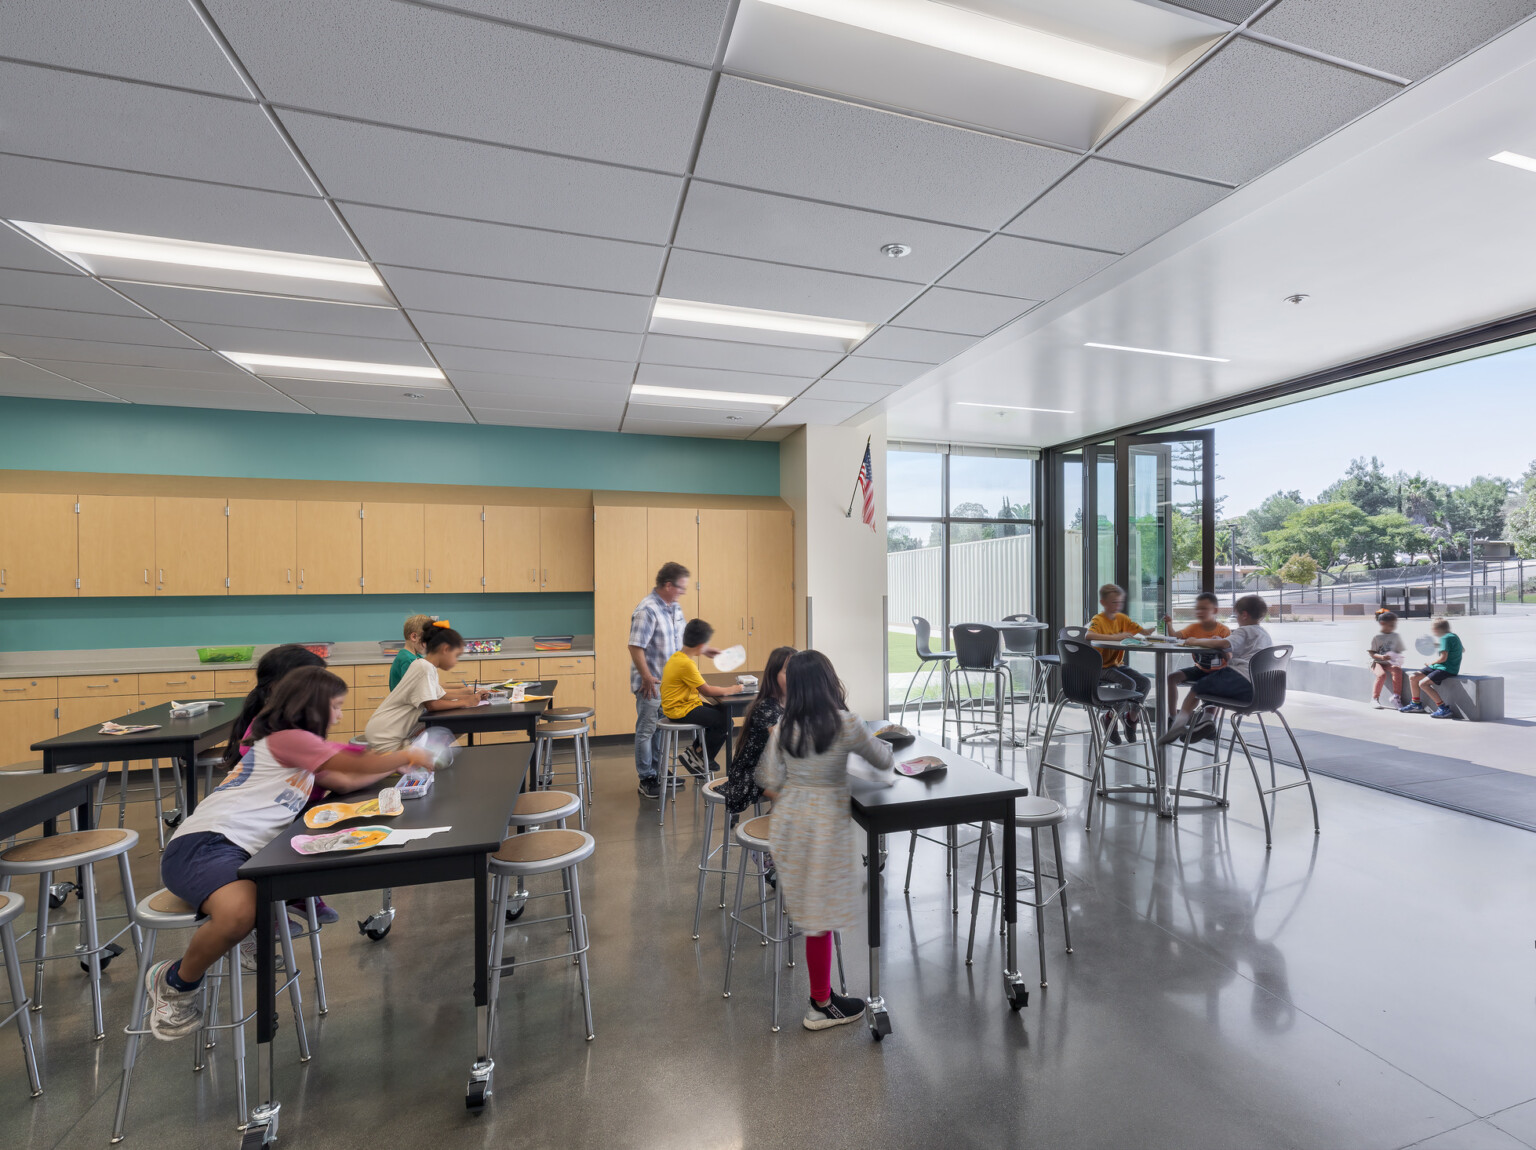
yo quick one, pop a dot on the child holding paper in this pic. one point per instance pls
(398, 717)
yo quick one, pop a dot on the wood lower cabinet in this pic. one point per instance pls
(117, 545)
(78, 714)
(454, 546)
(328, 548)
(720, 585)
(39, 546)
(565, 549)
(263, 535)
(392, 548)
(24, 722)
(191, 547)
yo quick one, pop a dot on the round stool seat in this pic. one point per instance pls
(59, 852)
(677, 725)
(753, 834)
(11, 906)
(30, 767)
(164, 911)
(712, 790)
(564, 729)
(539, 852)
(535, 807)
(1038, 812)
(567, 713)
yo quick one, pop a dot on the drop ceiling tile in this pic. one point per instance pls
(735, 418)
(845, 391)
(1005, 265)
(239, 310)
(1232, 11)
(439, 243)
(63, 290)
(544, 339)
(916, 346)
(1409, 38)
(115, 124)
(672, 428)
(459, 359)
(771, 434)
(23, 379)
(824, 411)
(263, 400)
(48, 192)
(556, 421)
(1244, 111)
(22, 252)
(306, 389)
(383, 61)
(610, 408)
(400, 169)
(1115, 207)
(317, 345)
(708, 379)
(732, 356)
(367, 409)
(55, 353)
(109, 375)
(966, 312)
(532, 392)
(866, 369)
(161, 41)
(508, 299)
(736, 222)
(778, 287)
(688, 29)
(36, 321)
(782, 141)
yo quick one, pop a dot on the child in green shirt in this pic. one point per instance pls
(415, 634)
(1445, 665)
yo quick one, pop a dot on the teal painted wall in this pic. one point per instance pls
(89, 624)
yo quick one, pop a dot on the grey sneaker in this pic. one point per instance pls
(173, 1013)
(840, 1010)
(248, 956)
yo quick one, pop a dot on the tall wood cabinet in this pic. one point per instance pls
(770, 583)
(622, 576)
(720, 577)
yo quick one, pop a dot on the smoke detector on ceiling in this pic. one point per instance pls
(896, 251)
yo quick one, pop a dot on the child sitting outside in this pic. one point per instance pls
(286, 757)
(1205, 626)
(684, 695)
(1232, 683)
(1111, 620)
(398, 717)
(416, 628)
(1386, 652)
(1445, 665)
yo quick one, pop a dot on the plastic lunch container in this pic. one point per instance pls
(482, 646)
(323, 649)
(225, 654)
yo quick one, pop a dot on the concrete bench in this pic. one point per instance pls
(1475, 698)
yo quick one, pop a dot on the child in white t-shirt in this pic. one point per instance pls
(1231, 683)
(399, 716)
(287, 756)
(1386, 652)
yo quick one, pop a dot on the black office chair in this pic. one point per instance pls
(932, 660)
(978, 653)
(1267, 670)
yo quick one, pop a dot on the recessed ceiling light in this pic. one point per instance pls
(1155, 351)
(896, 251)
(303, 367)
(691, 311)
(1010, 407)
(965, 33)
(647, 390)
(1515, 160)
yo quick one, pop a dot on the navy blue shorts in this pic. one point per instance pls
(197, 864)
(1225, 684)
(1437, 675)
(1194, 673)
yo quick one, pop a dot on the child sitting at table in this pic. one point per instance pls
(286, 755)
(1386, 654)
(1445, 665)
(1232, 683)
(416, 628)
(1205, 626)
(1112, 621)
(740, 789)
(815, 847)
(398, 717)
(685, 695)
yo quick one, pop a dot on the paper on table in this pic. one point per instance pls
(359, 839)
(731, 658)
(119, 729)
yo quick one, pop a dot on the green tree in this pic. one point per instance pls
(1521, 523)
(899, 537)
(970, 532)
(1366, 485)
(1477, 509)
(1186, 539)
(1421, 498)
(1325, 531)
(1300, 569)
(1389, 535)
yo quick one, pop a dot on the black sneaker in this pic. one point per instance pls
(1205, 731)
(839, 1011)
(1113, 734)
(692, 760)
(649, 789)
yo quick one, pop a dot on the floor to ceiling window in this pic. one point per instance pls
(959, 547)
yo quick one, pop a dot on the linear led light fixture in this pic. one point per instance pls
(288, 365)
(996, 41)
(1515, 160)
(647, 389)
(1155, 351)
(691, 311)
(1010, 407)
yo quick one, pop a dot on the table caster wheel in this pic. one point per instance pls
(1018, 995)
(518, 904)
(475, 1096)
(377, 925)
(879, 1025)
(59, 892)
(108, 953)
(254, 1138)
(171, 819)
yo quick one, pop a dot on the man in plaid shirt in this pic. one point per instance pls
(655, 635)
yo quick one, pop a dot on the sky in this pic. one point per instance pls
(1453, 423)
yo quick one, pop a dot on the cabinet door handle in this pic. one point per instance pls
(290, 574)
(301, 578)
(95, 686)
(14, 690)
(175, 682)
(146, 574)
(2, 576)
(162, 574)
(418, 574)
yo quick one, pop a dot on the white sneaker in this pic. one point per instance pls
(1393, 703)
(173, 1013)
(248, 956)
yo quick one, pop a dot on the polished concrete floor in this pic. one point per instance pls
(1369, 987)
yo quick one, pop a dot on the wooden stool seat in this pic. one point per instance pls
(541, 846)
(755, 830)
(542, 802)
(101, 843)
(164, 902)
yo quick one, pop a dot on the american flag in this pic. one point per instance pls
(866, 483)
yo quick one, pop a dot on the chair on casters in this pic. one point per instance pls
(1267, 669)
(1081, 667)
(672, 744)
(1035, 815)
(11, 906)
(934, 661)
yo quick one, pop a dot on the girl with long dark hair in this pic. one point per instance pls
(740, 787)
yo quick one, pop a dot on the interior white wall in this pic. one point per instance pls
(839, 562)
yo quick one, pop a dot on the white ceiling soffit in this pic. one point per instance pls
(523, 179)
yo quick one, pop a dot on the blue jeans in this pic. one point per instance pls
(647, 740)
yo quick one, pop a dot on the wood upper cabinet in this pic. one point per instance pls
(392, 548)
(770, 583)
(262, 541)
(720, 580)
(512, 549)
(191, 547)
(39, 546)
(672, 536)
(117, 545)
(565, 549)
(454, 542)
(328, 547)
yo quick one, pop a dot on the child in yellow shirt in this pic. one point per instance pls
(685, 697)
(1205, 626)
(1112, 621)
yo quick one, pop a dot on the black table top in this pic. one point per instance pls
(474, 798)
(493, 711)
(964, 782)
(26, 800)
(214, 722)
(734, 703)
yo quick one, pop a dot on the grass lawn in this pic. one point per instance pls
(903, 652)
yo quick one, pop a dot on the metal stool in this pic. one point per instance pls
(535, 853)
(752, 838)
(671, 745)
(83, 849)
(582, 714)
(164, 911)
(712, 799)
(163, 818)
(11, 906)
(533, 809)
(934, 661)
(579, 733)
(1034, 815)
